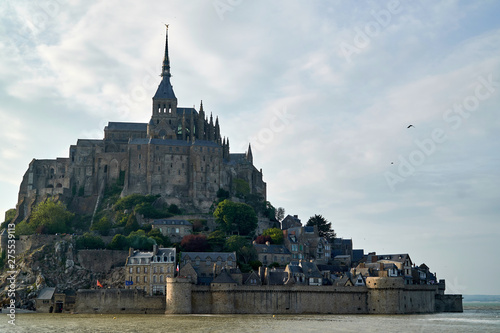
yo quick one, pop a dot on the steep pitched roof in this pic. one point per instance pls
(46, 293)
(124, 126)
(214, 255)
(223, 277)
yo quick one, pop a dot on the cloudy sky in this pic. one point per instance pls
(323, 90)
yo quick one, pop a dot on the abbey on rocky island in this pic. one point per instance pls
(179, 154)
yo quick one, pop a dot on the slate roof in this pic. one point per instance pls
(123, 126)
(165, 90)
(401, 257)
(162, 251)
(238, 158)
(277, 277)
(294, 269)
(310, 269)
(46, 293)
(214, 255)
(223, 277)
(173, 142)
(186, 110)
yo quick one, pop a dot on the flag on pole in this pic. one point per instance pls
(99, 284)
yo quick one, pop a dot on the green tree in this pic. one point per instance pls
(255, 264)
(276, 235)
(174, 209)
(139, 240)
(119, 242)
(235, 217)
(243, 248)
(24, 228)
(89, 241)
(159, 238)
(324, 227)
(9, 216)
(103, 226)
(241, 188)
(216, 240)
(132, 224)
(51, 217)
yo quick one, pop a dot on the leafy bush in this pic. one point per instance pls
(119, 242)
(275, 234)
(195, 243)
(103, 226)
(51, 217)
(130, 201)
(89, 241)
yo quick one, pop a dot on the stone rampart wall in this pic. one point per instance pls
(118, 301)
(101, 261)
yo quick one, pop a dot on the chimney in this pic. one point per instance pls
(155, 249)
(130, 251)
(296, 216)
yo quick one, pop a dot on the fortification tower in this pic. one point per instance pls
(178, 295)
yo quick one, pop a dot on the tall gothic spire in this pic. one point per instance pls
(165, 90)
(165, 70)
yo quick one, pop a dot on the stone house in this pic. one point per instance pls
(208, 265)
(51, 301)
(269, 253)
(291, 222)
(341, 246)
(45, 300)
(304, 243)
(173, 228)
(312, 273)
(148, 270)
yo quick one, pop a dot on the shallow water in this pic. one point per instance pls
(477, 318)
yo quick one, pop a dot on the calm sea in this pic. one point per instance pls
(477, 317)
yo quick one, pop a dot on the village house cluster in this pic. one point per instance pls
(304, 258)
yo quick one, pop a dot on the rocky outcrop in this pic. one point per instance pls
(58, 264)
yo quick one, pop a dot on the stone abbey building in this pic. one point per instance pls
(179, 154)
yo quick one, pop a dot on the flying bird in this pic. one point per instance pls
(410, 126)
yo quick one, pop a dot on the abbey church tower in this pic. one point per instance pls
(164, 122)
(179, 155)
